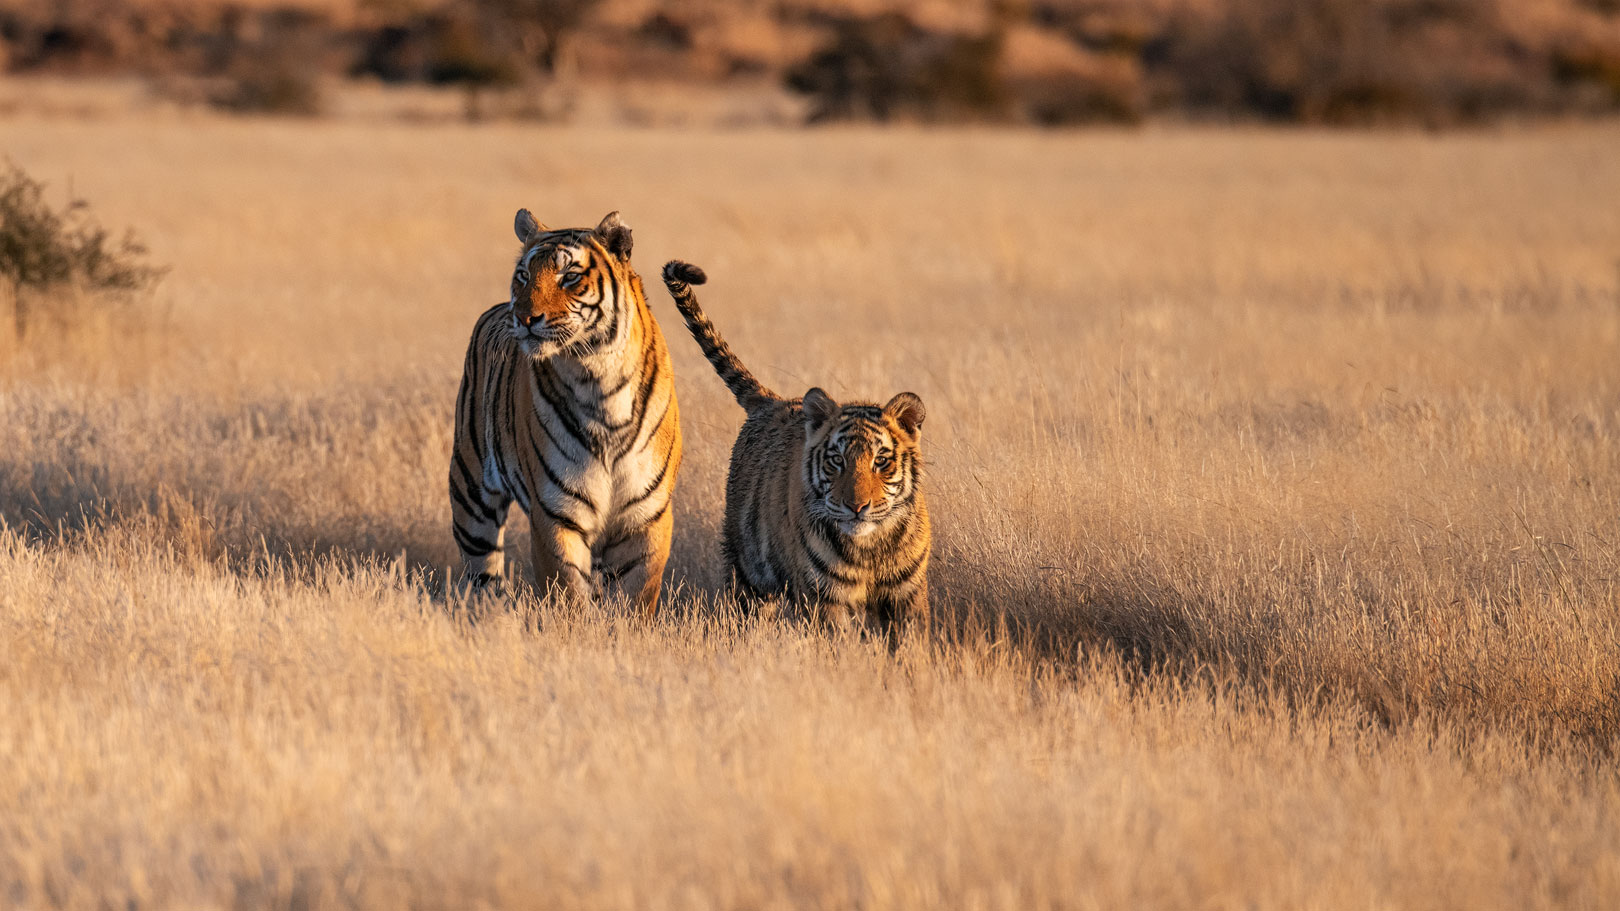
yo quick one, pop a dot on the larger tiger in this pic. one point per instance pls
(823, 501)
(567, 406)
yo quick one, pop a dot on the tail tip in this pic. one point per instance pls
(676, 271)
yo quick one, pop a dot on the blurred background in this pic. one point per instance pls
(1431, 63)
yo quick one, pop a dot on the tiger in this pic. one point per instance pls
(567, 406)
(824, 504)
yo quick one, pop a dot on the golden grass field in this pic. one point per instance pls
(1274, 478)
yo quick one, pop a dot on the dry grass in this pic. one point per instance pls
(1291, 460)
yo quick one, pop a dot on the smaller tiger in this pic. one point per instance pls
(824, 503)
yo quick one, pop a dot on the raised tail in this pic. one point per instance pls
(679, 278)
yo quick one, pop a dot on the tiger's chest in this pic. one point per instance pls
(584, 454)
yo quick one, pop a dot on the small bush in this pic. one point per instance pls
(51, 255)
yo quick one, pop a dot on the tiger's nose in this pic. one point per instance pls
(861, 507)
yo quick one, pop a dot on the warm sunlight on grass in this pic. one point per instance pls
(1274, 479)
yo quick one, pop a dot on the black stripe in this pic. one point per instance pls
(560, 519)
(470, 545)
(550, 437)
(669, 456)
(492, 402)
(469, 480)
(600, 335)
(582, 389)
(649, 369)
(552, 476)
(605, 294)
(631, 440)
(477, 510)
(614, 574)
(625, 535)
(465, 418)
(901, 529)
(639, 408)
(506, 444)
(835, 539)
(863, 428)
(570, 422)
(905, 574)
(623, 382)
(824, 569)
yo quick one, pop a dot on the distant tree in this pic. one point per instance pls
(886, 66)
(477, 44)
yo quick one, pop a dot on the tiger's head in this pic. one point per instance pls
(862, 463)
(571, 288)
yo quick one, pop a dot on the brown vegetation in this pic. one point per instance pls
(1434, 62)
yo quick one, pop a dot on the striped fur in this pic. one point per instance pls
(824, 503)
(567, 407)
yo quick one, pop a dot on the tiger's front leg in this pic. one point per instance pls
(562, 558)
(635, 562)
(906, 614)
(478, 524)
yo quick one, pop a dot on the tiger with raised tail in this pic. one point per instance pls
(567, 406)
(824, 503)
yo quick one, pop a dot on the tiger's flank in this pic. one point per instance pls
(567, 407)
(824, 503)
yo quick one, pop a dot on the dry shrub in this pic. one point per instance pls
(1349, 62)
(65, 271)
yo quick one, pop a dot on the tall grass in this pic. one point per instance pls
(1274, 478)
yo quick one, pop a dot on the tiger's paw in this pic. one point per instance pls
(485, 586)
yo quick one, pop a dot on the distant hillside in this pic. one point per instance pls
(1434, 62)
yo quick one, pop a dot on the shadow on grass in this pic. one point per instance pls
(1058, 619)
(1046, 614)
(212, 526)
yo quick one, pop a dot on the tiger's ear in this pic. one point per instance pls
(907, 411)
(818, 407)
(526, 227)
(614, 235)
